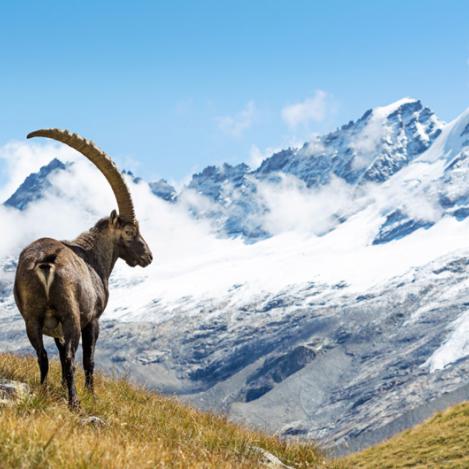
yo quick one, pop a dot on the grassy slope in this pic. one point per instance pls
(146, 430)
(143, 430)
(441, 441)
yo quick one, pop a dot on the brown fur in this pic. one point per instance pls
(61, 289)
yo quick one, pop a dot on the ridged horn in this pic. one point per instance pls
(101, 160)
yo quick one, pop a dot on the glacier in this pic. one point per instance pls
(323, 295)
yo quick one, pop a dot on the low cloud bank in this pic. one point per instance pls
(311, 240)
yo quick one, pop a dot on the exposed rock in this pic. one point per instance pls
(12, 391)
(293, 429)
(275, 370)
(93, 421)
(269, 459)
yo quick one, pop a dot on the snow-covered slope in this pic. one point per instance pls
(345, 322)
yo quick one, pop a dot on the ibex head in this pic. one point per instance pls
(132, 248)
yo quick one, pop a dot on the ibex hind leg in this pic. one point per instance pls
(60, 343)
(89, 337)
(34, 331)
(71, 329)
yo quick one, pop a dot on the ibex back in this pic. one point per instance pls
(61, 287)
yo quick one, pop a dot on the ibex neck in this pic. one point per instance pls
(100, 250)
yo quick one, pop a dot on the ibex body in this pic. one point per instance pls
(61, 287)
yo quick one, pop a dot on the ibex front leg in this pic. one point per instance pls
(89, 337)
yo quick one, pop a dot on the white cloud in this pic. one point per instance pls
(369, 138)
(257, 156)
(366, 143)
(236, 125)
(417, 204)
(293, 207)
(314, 145)
(312, 109)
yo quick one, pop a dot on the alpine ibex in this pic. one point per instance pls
(61, 287)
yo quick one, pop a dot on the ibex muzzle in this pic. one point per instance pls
(61, 287)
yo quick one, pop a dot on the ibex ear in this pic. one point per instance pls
(114, 218)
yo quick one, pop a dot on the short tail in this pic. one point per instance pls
(45, 270)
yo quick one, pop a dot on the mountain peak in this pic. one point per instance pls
(387, 110)
(34, 185)
(163, 190)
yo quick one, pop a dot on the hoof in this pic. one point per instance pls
(74, 405)
(89, 388)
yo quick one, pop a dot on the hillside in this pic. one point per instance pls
(141, 430)
(441, 441)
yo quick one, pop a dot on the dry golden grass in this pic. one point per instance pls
(144, 430)
(442, 441)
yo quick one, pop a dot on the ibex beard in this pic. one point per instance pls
(61, 287)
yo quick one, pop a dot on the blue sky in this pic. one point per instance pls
(167, 87)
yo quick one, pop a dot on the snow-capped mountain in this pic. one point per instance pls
(371, 149)
(343, 329)
(34, 186)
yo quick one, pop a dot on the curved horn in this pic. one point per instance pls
(101, 160)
